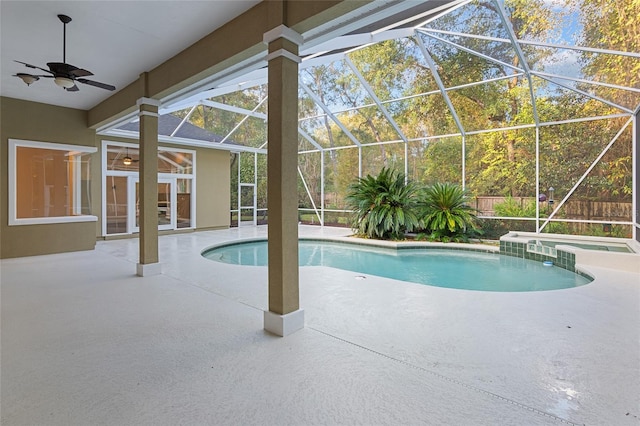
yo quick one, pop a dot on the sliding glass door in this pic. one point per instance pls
(166, 205)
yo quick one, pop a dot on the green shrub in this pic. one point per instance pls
(446, 214)
(512, 208)
(384, 206)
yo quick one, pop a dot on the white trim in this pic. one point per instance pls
(149, 113)
(125, 119)
(103, 186)
(284, 325)
(282, 31)
(12, 213)
(76, 190)
(148, 269)
(148, 101)
(356, 41)
(55, 219)
(53, 145)
(233, 72)
(187, 142)
(12, 183)
(285, 54)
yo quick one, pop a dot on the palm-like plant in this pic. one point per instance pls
(384, 206)
(446, 213)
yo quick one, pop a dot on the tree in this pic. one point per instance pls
(612, 25)
(496, 104)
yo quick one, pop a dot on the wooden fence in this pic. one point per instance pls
(572, 209)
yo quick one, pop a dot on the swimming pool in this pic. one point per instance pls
(469, 270)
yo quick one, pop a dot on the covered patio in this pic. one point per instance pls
(85, 341)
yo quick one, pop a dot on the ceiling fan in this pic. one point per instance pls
(126, 160)
(63, 74)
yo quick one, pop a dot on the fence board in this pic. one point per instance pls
(573, 209)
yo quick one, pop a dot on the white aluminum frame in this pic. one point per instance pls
(316, 51)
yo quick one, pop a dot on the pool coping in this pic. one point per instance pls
(399, 245)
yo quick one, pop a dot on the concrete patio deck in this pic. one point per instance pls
(86, 342)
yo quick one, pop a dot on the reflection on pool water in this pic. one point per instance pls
(437, 267)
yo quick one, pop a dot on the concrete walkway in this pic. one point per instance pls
(86, 342)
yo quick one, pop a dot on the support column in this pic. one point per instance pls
(148, 190)
(284, 315)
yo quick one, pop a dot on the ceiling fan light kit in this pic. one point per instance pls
(63, 74)
(65, 82)
(126, 160)
(27, 78)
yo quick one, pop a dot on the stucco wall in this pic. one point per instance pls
(40, 122)
(213, 189)
(45, 123)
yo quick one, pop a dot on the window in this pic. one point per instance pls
(175, 162)
(176, 188)
(127, 158)
(49, 183)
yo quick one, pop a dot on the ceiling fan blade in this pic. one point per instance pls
(32, 75)
(32, 66)
(73, 88)
(79, 72)
(67, 69)
(96, 84)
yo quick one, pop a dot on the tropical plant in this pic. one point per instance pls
(384, 206)
(446, 215)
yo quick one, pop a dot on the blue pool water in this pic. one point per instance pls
(443, 268)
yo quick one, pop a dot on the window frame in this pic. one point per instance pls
(105, 173)
(14, 144)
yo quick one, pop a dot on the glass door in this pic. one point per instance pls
(166, 205)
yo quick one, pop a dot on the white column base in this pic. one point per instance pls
(283, 325)
(148, 269)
